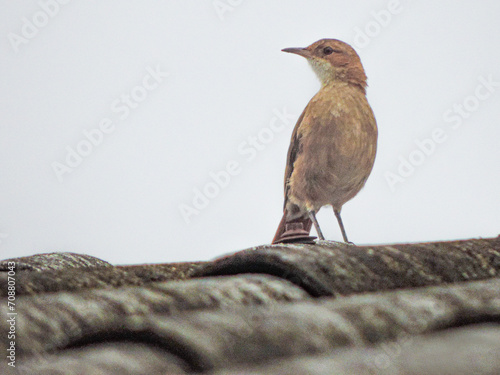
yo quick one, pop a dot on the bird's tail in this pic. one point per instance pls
(295, 230)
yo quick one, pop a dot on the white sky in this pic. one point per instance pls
(226, 80)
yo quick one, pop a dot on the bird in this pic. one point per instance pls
(333, 145)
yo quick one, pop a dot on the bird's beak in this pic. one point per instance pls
(304, 52)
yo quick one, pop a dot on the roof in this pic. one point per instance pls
(328, 308)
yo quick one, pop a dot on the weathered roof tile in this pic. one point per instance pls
(120, 358)
(332, 268)
(67, 317)
(74, 279)
(462, 351)
(54, 261)
(236, 335)
(86, 317)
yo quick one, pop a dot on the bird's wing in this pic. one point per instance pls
(293, 151)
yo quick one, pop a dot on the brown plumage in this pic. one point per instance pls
(334, 142)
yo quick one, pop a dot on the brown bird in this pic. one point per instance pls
(333, 144)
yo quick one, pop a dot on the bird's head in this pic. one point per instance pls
(333, 61)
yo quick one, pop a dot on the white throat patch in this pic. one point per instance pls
(322, 69)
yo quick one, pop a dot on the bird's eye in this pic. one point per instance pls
(328, 50)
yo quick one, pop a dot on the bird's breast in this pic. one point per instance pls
(338, 140)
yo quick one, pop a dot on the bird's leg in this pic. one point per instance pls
(312, 215)
(341, 225)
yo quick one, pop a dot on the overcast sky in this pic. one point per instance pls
(157, 131)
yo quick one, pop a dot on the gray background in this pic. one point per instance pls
(227, 77)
